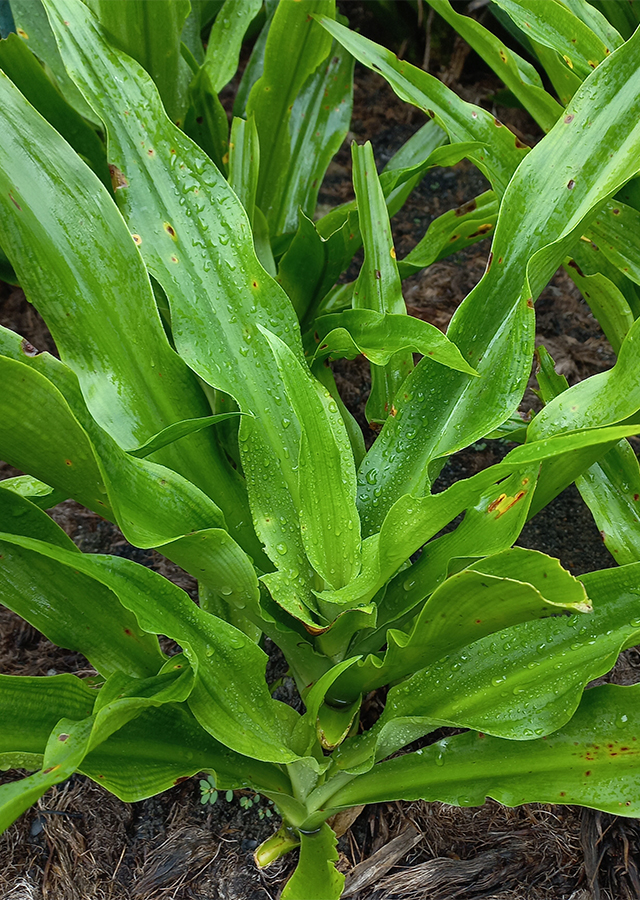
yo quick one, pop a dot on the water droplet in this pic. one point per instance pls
(372, 476)
(282, 549)
(439, 760)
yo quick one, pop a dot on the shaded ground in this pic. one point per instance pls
(79, 842)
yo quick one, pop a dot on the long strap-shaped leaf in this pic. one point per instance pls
(519, 76)
(71, 740)
(132, 380)
(555, 26)
(230, 698)
(378, 286)
(295, 46)
(523, 682)
(462, 121)
(592, 761)
(555, 192)
(196, 241)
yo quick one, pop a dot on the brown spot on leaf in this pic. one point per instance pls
(63, 737)
(137, 239)
(569, 118)
(466, 208)
(574, 265)
(497, 122)
(117, 178)
(571, 184)
(28, 349)
(481, 230)
(616, 212)
(15, 203)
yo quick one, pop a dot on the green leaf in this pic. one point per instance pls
(378, 336)
(244, 163)
(71, 468)
(523, 682)
(592, 761)
(602, 399)
(254, 68)
(179, 430)
(616, 235)
(241, 298)
(558, 28)
(315, 874)
(460, 120)
(40, 494)
(498, 592)
(450, 232)
(33, 27)
(22, 67)
(206, 121)
(225, 41)
(607, 303)
(54, 600)
(611, 490)
(553, 195)
(165, 745)
(327, 479)
(518, 76)
(231, 698)
(378, 285)
(151, 35)
(30, 708)
(48, 196)
(70, 740)
(295, 47)
(318, 125)
(153, 505)
(19, 516)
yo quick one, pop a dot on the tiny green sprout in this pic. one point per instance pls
(228, 796)
(208, 790)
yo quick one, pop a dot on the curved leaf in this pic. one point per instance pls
(552, 197)
(378, 336)
(592, 761)
(294, 37)
(315, 874)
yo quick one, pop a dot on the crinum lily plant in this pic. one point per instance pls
(194, 303)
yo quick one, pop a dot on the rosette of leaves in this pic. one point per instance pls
(191, 298)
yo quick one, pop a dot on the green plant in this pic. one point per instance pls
(208, 792)
(195, 312)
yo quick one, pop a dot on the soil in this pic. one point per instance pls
(80, 843)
